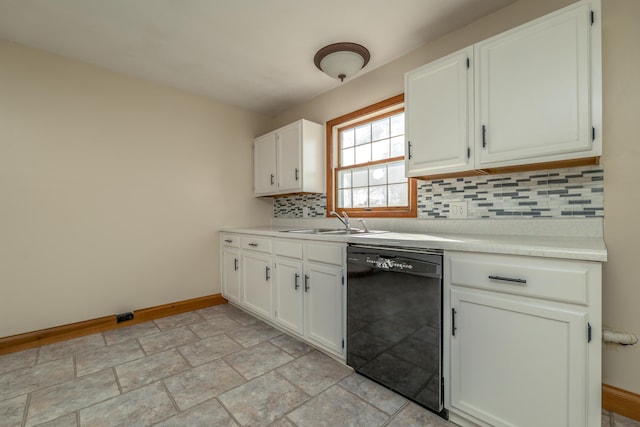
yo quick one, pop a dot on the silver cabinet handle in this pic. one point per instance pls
(297, 174)
(306, 283)
(409, 149)
(228, 240)
(235, 264)
(267, 273)
(295, 281)
(255, 245)
(508, 279)
(272, 178)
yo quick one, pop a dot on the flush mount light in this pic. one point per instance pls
(342, 60)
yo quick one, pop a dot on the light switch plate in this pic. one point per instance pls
(458, 209)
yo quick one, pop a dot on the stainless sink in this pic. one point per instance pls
(331, 231)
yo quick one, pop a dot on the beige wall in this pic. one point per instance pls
(112, 190)
(621, 104)
(621, 65)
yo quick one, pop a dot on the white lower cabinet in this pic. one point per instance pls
(523, 340)
(231, 274)
(230, 267)
(309, 291)
(256, 283)
(323, 306)
(289, 294)
(297, 285)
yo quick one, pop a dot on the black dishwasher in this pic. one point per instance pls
(394, 320)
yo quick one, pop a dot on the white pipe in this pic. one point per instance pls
(623, 338)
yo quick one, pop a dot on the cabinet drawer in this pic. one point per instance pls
(288, 248)
(260, 244)
(230, 240)
(559, 280)
(325, 253)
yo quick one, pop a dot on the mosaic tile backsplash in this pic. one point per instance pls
(293, 206)
(557, 193)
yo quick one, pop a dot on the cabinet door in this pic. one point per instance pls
(289, 292)
(256, 283)
(533, 92)
(231, 274)
(517, 361)
(439, 116)
(264, 153)
(290, 158)
(323, 306)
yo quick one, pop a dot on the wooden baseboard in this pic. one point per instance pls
(74, 330)
(621, 402)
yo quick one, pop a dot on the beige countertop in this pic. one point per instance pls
(567, 247)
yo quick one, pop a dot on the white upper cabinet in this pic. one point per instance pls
(530, 95)
(533, 91)
(264, 151)
(439, 117)
(290, 160)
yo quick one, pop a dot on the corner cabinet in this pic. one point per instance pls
(524, 341)
(230, 265)
(529, 95)
(289, 160)
(296, 285)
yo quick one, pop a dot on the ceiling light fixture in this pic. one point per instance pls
(342, 60)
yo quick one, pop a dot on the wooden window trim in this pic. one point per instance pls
(389, 212)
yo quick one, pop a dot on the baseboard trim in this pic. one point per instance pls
(621, 402)
(34, 339)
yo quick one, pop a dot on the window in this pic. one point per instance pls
(366, 169)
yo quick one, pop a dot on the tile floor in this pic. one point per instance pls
(213, 367)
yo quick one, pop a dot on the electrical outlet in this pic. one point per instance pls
(305, 212)
(123, 317)
(458, 209)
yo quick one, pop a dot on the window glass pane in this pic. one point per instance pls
(397, 124)
(361, 197)
(378, 196)
(365, 178)
(378, 175)
(397, 146)
(363, 153)
(344, 198)
(363, 134)
(380, 129)
(399, 195)
(347, 157)
(344, 179)
(346, 138)
(360, 177)
(396, 173)
(380, 150)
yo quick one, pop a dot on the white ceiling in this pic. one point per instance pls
(254, 54)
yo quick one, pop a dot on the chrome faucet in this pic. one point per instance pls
(344, 219)
(364, 225)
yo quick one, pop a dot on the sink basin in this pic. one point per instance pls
(333, 231)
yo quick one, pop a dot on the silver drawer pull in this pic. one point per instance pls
(508, 279)
(228, 241)
(253, 244)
